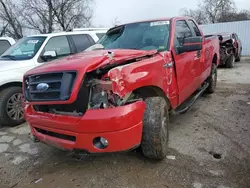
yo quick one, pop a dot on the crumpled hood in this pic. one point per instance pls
(88, 61)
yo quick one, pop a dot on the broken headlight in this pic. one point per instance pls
(101, 95)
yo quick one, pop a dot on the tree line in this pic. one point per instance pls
(216, 11)
(43, 16)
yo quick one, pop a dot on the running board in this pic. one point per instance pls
(184, 107)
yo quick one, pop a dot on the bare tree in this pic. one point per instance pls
(197, 14)
(116, 22)
(72, 13)
(3, 31)
(235, 16)
(38, 15)
(214, 9)
(9, 13)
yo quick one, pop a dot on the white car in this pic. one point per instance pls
(100, 32)
(28, 53)
(5, 43)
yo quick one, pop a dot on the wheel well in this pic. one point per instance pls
(11, 84)
(151, 91)
(215, 59)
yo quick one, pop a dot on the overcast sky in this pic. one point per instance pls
(133, 10)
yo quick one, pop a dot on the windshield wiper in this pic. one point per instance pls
(9, 56)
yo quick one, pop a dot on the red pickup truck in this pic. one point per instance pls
(118, 96)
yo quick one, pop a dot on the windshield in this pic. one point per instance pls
(25, 48)
(138, 36)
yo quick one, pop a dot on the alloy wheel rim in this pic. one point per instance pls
(14, 107)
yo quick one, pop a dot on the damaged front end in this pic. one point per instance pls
(227, 48)
(103, 92)
(96, 92)
(104, 87)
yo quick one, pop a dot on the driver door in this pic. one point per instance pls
(187, 63)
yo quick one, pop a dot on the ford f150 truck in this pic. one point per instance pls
(118, 96)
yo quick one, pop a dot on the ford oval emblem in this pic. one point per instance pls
(42, 87)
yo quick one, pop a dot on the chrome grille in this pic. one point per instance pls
(49, 87)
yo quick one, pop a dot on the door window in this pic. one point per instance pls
(182, 31)
(195, 28)
(58, 44)
(4, 45)
(82, 42)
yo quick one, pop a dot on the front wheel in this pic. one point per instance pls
(155, 128)
(230, 62)
(239, 58)
(212, 80)
(11, 109)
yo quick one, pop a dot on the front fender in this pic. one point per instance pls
(148, 72)
(10, 78)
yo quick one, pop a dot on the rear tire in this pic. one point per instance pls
(212, 80)
(155, 128)
(11, 111)
(230, 62)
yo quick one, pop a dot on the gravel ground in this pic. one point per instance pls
(209, 148)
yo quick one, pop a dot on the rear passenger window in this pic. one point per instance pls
(4, 45)
(182, 31)
(82, 42)
(195, 28)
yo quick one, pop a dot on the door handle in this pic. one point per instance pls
(168, 65)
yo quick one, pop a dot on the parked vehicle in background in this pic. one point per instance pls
(230, 49)
(119, 98)
(99, 32)
(5, 43)
(28, 53)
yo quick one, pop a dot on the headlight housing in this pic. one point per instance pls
(101, 95)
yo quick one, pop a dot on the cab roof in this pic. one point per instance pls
(154, 20)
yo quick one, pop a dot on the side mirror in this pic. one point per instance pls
(190, 44)
(49, 55)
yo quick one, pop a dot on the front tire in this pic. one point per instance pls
(230, 62)
(155, 128)
(11, 110)
(239, 58)
(212, 80)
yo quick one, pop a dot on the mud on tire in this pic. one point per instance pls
(212, 80)
(155, 128)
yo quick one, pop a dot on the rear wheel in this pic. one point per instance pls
(212, 80)
(155, 128)
(11, 110)
(230, 62)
